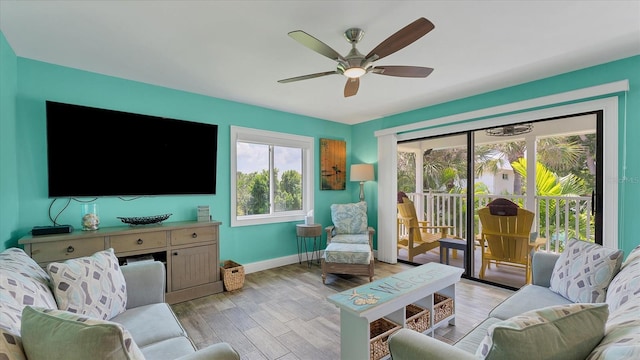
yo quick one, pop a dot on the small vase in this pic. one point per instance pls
(90, 219)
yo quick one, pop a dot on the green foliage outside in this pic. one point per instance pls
(253, 192)
(549, 183)
(566, 167)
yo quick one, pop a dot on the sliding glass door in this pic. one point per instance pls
(449, 178)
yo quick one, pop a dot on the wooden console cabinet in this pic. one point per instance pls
(190, 251)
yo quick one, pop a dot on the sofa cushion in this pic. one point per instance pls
(349, 218)
(169, 349)
(584, 270)
(23, 282)
(529, 297)
(58, 334)
(92, 285)
(625, 286)
(562, 332)
(472, 339)
(634, 256)
(622, 335)
(151, 324)
(347, 253)
(11, 346)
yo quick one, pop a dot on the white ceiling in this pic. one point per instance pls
(237, 50)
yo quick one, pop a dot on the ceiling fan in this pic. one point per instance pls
(354, 64)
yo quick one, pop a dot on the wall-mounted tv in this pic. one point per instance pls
(95, 152)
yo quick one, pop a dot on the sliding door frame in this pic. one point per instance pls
(388, 144)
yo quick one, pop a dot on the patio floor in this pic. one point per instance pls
(502, 274)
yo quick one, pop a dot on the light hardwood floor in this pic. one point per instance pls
(283, 313)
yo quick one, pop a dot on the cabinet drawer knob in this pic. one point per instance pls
(139, 241)
(70, 249)
(194, 235)
(175, 253)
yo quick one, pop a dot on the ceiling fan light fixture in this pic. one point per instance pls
(354, 72)
(510, 130)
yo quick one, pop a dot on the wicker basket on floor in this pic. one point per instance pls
(379, 332)
(232, 275)
(443, 307)
(417, 318)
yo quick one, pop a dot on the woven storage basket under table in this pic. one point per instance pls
(417, 318)
(232, 275)
(442, 307)
(379, 332)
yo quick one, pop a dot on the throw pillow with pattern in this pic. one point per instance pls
(584, 270)
(350, 218)
(93, 285)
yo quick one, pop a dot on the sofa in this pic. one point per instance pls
(581, 304)
(116, 312)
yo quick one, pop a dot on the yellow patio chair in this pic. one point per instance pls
(419, 237)
(505, 239)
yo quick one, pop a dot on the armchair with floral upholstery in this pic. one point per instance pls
(349, 242)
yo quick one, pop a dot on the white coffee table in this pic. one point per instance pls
(388, 297)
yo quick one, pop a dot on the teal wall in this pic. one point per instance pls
(629, 108)
(9, 204)
(38, 81)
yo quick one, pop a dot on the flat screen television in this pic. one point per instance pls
(95, 152)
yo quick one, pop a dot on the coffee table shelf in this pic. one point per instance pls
(388, 297)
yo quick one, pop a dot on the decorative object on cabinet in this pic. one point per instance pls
(144, 220)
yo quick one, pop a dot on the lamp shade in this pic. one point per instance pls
(362, 172)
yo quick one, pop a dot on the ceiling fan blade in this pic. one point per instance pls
(315, 45)
(305, 77)
(351, 87)
(403, 71)
(402, 38)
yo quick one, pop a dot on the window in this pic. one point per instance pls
(505, 176)
(271, 176)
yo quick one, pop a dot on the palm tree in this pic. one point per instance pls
(549, 183)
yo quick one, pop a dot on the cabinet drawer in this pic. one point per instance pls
(65, 249)
(139, 241)
(194, 235)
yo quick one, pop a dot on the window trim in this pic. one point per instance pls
(306, 143)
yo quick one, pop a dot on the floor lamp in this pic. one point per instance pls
(362, 173)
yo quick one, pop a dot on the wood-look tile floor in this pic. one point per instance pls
(282, 313)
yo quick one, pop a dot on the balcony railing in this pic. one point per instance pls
(558, 218)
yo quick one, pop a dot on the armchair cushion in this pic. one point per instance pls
(351, 239)
(584, 270)
(348, 253)
(92, 285)
(58, 334)
(555, 332)
(349, 218)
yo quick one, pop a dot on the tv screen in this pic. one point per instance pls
(97, 152)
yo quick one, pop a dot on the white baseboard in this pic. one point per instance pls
(277, 262)
(274, 263)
